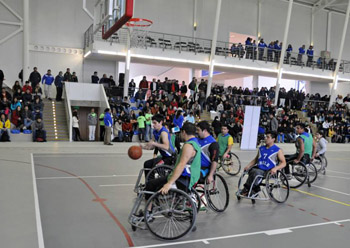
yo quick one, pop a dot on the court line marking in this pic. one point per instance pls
(340, 172)
(346, 178)
(116, 185)
(39, 227)
(97, 199)
(321, 197)
(278, 231)
(332, 190)
(45, 178)
(244, 234)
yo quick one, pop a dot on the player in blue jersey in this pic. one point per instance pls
(269, 158)
(161, 143)
(209, 151)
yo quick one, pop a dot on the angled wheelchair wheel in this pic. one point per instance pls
(217, 194)
(318, 163)
(231, 165)
(172, 216)
(277, 187)
(312, 171)
(159, 171)
(299, 175)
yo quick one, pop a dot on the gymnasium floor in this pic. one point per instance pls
(84, 193)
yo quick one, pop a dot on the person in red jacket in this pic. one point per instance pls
(27, 86)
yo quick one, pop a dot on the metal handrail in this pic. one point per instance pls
(227, 49)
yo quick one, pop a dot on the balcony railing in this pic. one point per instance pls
(239, 51)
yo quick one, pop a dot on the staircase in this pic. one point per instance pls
(205, 116)
(55, 121)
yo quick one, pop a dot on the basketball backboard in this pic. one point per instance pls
(113, 14)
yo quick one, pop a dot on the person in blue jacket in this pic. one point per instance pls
(301, 53)
(59, 86)
(270, 51)
(47, 80)
(261, 47)
(277, 50)
(108, 127)
(310, 55)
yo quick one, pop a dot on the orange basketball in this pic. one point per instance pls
(135, 152)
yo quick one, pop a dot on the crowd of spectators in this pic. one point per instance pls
(21, 108)
(259, 50)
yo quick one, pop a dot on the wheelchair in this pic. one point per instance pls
(159, 170)
(301, 173)
(172, 216)
(272, 187)
(231, 165)
(321, 164)
(214, 195)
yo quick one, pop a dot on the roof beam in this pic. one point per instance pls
(323, 6)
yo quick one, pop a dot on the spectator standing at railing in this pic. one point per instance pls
(289, 51)
(154, 85)
(67, 77)
(59, 86)
(278, 47)
(104, 80)
(47, 81)
(34, 77)
(249, 48)
(261, 48)
(254, 49)
(183, 89)
(144, 85)
(74, 77)
(310, 55)
(132, 87)
(300, 54)
(270, 51)
(94, 78)
(192, 86)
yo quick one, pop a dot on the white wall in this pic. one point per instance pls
(63, 23)
(101, 66)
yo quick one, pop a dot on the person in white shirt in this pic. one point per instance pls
(220, 107)
(76, 131)
(190, 118)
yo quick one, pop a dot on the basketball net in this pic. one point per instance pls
(138, 31)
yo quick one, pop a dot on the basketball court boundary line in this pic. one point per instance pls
(102, 176)
(267, 232)
(39, 227)
(339, 172)
(331, 190)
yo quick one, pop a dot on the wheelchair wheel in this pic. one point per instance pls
(299, 175)
(318, 163)
(277, 187)
(312, 171)
(217, 194)
(172, 216)
(231, 165)
(159, 171)
(195, 195)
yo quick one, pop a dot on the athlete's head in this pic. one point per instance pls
(203, 129)
(270, 137)
(157, 121)
(300, 128)
(319, 134)
(224, 129)
(188, 129)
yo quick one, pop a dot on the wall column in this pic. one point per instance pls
(213, 47)
(335, 75)
(25, 40)
(284, 45)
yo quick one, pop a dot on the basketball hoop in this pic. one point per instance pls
(138, 30)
